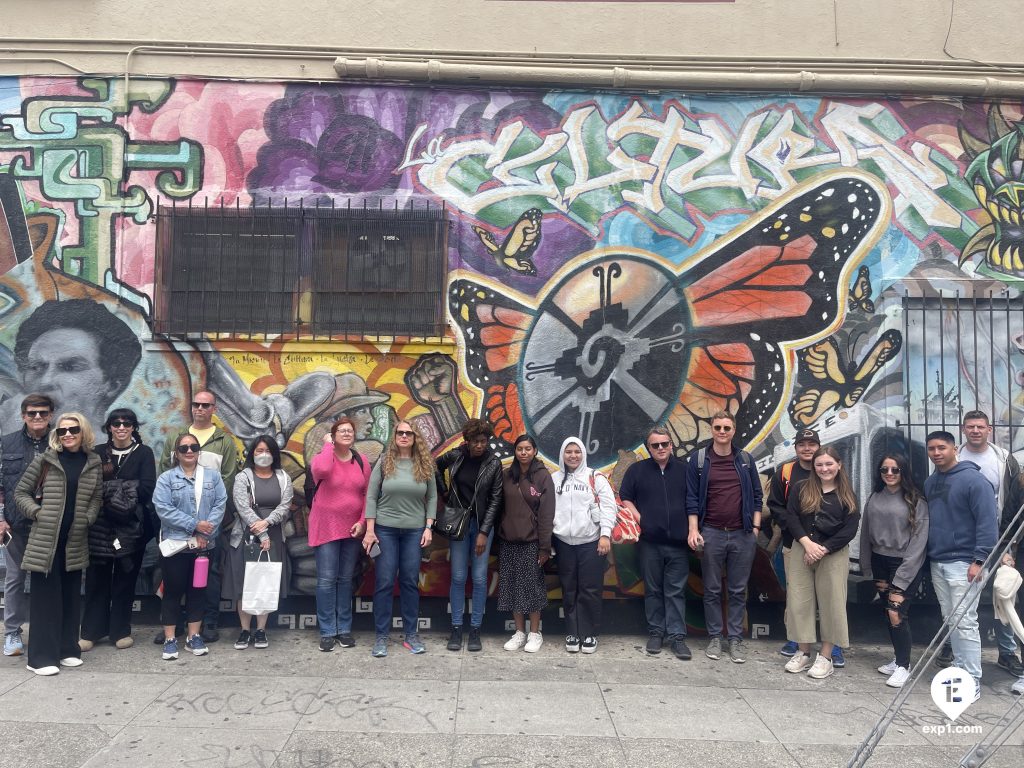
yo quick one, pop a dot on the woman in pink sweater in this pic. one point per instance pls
(336, 524)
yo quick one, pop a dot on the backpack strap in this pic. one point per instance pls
(787, 473)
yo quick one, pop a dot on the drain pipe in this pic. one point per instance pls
(704, 80)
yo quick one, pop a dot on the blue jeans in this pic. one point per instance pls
(1005, 639)
(950, 583)
(335, 566)
(399, 555)
(731, 552)
(665, 569)
(460, 553)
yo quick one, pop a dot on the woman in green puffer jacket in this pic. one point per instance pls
(60, 492)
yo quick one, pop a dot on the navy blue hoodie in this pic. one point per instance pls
(962, 514)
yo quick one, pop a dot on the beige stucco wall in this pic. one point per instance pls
(53, 36)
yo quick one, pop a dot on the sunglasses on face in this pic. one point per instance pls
(722, 428)
(659, 446)
(404, 433)
(61, 431)
(890, 470)
(189, 448)
(201, 405)
(37, 414)
(121, 424)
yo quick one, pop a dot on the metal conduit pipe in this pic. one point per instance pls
(436, 71)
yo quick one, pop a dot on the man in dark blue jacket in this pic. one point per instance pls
(18, 450)
(655, 490)
(961, 535)
(723, 502)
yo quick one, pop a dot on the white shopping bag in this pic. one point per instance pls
(262, 586)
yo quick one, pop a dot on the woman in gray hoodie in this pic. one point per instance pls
(584, 518)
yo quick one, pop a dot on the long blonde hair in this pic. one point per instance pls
(422, 461)
(810, 490)
(88, 436)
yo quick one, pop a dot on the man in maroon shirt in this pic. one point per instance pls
(723, 503)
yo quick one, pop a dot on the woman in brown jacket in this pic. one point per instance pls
(60, 493)
(525, 543)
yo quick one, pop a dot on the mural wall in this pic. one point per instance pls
(615, 260)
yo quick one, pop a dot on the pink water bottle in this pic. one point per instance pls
(200, 572)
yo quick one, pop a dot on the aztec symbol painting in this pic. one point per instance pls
(621, 339)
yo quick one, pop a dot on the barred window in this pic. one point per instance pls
(301, 272)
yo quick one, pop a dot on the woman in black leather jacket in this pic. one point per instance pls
(473, 480)
(117, 539)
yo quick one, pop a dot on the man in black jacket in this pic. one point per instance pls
(18, 450)
(655, 490)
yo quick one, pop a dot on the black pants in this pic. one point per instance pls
(54, 613)
(177, 571)
(211, 612)
(109, 594)
(581, 572)
(884, 569)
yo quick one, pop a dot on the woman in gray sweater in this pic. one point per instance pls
(893, 542)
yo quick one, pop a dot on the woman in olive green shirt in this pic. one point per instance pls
(400, 503)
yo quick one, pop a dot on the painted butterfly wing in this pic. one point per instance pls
(860, 293)
(494, 326)
(516, 251)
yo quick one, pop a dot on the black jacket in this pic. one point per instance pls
(489, 496)
(128, 529)
(18, 450)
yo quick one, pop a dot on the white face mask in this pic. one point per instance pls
(263, 460)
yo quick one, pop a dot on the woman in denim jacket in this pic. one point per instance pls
(190, 504)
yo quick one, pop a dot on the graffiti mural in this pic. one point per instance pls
(614, 261)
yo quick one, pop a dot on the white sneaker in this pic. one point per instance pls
(517, 641)
(1018, 687)
(888, 669)
(71, 661)
(898, 678)
(533, 642)
(798, 663)
(44, 671)
(821, 668)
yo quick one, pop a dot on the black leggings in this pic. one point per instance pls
(884, 569)
(177, 572)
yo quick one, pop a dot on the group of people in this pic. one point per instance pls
(71, 506)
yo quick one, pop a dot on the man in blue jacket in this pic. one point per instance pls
(655, 490)
(723, 503)
(961, 534)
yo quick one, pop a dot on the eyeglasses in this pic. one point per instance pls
(189, 448)
(722, 428)
(61, 431)
(404, 433)
(659, 446)
(890, 470)
(344, 431)
(201, 405)
(37, 414)
(121, 424)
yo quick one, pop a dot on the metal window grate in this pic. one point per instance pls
(358, 273)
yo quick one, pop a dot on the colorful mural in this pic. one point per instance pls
(615, 260)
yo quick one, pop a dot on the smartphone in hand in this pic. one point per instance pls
(5, 539)
(374, 550)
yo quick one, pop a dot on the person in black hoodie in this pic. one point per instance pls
(473, 481)
(117, 540)
(655, 490)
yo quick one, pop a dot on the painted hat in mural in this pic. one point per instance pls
(807, 434)
(350, 391)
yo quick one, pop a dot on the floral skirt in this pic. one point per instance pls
(520, 578)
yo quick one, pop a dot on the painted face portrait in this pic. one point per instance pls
(65, 364)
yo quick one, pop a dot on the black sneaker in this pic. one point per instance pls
(589, 645)
(259, 639)
(244, 638)
(210, 635)
(455, 638)
(681, 649)
(945, 657)
(572, 644)
(474, 643)
(654, 643)
(326, 644)
(345, 640)
(1011, 664)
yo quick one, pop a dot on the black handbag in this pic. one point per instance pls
(453, 522)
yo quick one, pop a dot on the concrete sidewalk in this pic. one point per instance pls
(292, 706)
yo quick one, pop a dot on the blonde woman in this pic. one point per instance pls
(60, 492)
(822, 515)
(400, 503)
